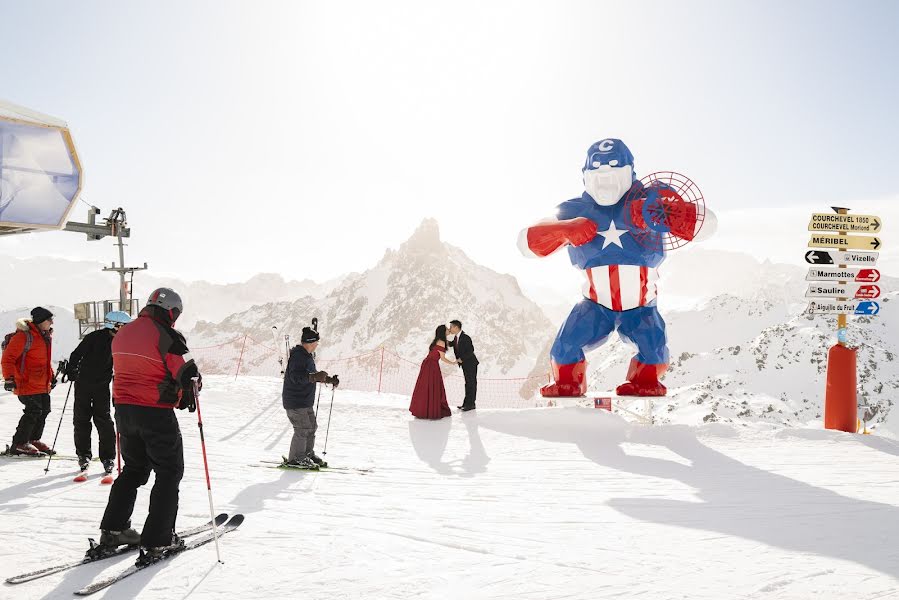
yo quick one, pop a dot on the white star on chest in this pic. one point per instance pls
(612, 235)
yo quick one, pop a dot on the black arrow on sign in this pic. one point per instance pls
(876, 224)
(876, 243)
(817, 257)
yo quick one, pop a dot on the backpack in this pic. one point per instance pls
(28, 339)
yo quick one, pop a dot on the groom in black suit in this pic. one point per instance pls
(464, 351)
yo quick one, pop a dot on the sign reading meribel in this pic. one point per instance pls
(847, 223)
(852, 242)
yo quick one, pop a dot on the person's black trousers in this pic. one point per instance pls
(471, 384)
(150, 439)
(34, 415)
(92, 402)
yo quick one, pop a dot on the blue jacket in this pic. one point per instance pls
(298, 391)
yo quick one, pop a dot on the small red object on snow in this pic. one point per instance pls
(603, 402)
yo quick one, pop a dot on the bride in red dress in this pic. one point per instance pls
(429, 396)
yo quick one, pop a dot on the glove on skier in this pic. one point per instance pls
(319, 377)
(333, 380)
(9, 385)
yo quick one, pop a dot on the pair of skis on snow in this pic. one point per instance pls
(203, 533)
(274, 464)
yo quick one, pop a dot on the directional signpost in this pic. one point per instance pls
(822, 257)
(847, 223)
(853, 242)
(839, 307)
(850, 274)
(841, 291)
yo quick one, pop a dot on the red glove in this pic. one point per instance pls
(546, 238)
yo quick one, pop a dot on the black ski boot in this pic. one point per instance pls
(84, 461)
(108, 465)
(318, 460)
(153, 554)
(304, 463)
(128, 537)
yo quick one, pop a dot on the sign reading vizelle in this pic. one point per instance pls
(857, 274)
(843, 290)
(831, 257)
(828, 307)
(850, 223)
(853, 242)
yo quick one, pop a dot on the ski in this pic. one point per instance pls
(106, 479)
(117, 552)
(273, 464)
(231, 525)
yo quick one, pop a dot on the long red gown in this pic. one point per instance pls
(429, 395)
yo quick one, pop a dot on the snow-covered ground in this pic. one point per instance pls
(542, 503)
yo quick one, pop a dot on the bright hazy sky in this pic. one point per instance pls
(304, 138)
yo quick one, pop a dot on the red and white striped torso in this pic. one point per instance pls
(621, 287)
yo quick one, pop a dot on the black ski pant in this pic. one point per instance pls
(92, 402)
(471, 384)
(149, 439)
(34, 415)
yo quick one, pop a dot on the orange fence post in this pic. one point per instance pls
(240, 358)
(381, 370)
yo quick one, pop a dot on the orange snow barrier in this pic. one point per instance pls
(840, 403)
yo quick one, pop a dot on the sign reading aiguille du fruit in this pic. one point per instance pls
(833, 307)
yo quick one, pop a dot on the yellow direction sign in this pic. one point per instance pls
(849, 223)
(851, 242)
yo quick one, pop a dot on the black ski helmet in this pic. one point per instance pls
(168, 300)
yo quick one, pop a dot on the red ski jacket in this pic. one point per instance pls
(151, 363)
(37, 375)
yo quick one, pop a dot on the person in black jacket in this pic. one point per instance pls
(90, 368)
(464, 351)
(298, 399)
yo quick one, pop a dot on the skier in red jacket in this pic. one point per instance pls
(28, 372)
(153, 371)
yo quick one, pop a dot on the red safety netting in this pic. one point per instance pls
(378, 370)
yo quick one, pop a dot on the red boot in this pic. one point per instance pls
(570, 380)
(643, 380)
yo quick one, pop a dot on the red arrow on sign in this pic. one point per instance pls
(868, 291)
(868, 275)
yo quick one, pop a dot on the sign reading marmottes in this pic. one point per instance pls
(863, 291)
(848, 223)
(852, 242)
(831, 257)
(856, 274)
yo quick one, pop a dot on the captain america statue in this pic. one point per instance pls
(611, 236)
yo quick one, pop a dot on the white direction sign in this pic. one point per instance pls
(847, 223)
(833, 307)
(837, 257)
(858, 291)
(857, 274)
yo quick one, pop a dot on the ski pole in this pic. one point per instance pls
(118, 450)
(215, 533)
(61, 416)
(318, 400)
(328, 429)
